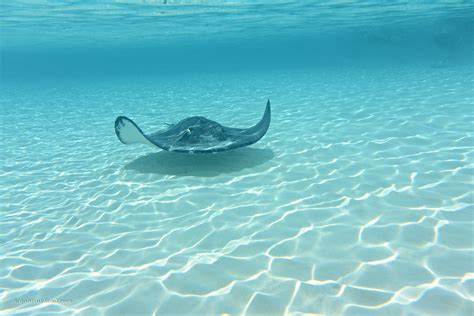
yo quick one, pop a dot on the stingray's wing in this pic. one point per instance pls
(242, 137)
(129, 133)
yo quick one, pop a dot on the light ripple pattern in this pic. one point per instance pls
(359, 200)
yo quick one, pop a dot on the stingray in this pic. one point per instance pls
(195, 134)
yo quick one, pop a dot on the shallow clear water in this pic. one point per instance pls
(359, 200)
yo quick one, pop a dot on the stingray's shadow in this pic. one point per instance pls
(203, 165)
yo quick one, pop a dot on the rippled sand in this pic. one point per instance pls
(359, 200)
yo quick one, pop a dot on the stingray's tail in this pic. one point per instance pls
(128, 132)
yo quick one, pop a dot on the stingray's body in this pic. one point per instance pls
(195, 134)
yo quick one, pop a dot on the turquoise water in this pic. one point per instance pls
(358, 201)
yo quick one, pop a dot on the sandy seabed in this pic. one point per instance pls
(359, 200)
